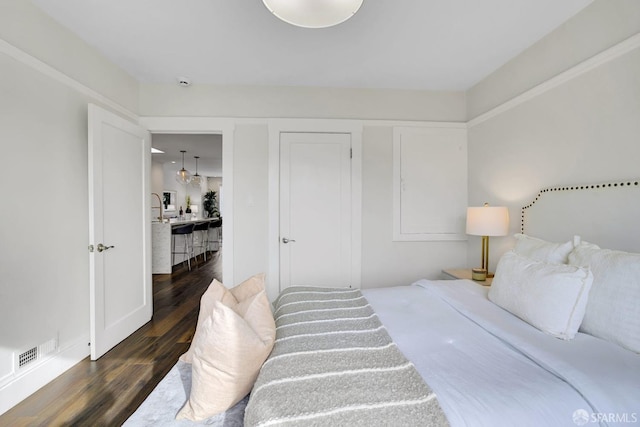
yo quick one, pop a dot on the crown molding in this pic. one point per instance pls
(583, 67)
(595, 61)
(46, 69)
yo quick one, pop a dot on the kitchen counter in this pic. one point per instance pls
(192, 221)
(162, 243)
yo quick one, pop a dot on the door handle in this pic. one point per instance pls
(102, 248)
(285, 240)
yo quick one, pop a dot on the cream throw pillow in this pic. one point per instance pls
(248, 288)
(228, 351)
(229, 297)
(216, 292)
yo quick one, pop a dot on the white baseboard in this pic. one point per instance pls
(25, 384)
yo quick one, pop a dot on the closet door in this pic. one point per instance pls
(315, 209)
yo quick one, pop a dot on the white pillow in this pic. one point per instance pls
(613, 310)
(541, 250)
(578, 242)
(551, 297)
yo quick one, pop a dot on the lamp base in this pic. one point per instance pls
(479, 274)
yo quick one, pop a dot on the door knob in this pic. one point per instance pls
(102, 247)
(285, 240)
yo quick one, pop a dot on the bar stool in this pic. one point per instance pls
(216, 226)
(203, 228)
(187, 232)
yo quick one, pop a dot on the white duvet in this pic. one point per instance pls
(489, 368)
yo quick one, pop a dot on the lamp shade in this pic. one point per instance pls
(313, 13)
(488, 221)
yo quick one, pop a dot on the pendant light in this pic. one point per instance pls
(183, 176)
(196, 179)
(313, 13)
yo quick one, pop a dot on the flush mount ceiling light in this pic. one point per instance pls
(313, 13)
(183, 176)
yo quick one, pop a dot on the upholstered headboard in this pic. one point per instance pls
(607, 214)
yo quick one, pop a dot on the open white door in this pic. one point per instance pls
(315, 209)
(119, 229)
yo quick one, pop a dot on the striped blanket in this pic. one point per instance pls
(334, 364)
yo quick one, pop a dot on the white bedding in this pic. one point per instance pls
(486, 366)
(489, 368)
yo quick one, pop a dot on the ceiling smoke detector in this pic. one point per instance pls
(184, 81)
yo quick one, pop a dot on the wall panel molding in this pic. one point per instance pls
(429, 184)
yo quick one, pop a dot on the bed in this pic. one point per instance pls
(454, 352)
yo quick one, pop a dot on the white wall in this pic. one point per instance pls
(250, 198)
(251, 163)
(44, 291)
(584, 130)
(182, 191)
(299, 102)
(251, 166)
(157, 185)
(42, 140)
(385, 262)
(213, 184)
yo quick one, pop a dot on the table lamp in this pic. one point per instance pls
(486, 221)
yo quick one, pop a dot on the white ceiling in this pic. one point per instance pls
(207, 147)
(402, 44)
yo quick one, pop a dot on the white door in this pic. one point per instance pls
(119, 229)
(315, 209)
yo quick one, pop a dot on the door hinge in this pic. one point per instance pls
(351, 153)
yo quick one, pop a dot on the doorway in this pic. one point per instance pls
(199, 156)
(224, 128)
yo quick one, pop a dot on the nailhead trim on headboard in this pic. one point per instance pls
(574, 188)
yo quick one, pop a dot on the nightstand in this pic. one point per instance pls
(465, 273)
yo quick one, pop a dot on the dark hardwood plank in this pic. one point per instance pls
(106, 392)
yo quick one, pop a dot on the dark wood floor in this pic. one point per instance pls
(106, 392)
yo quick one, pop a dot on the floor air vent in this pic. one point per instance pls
(27, 357)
